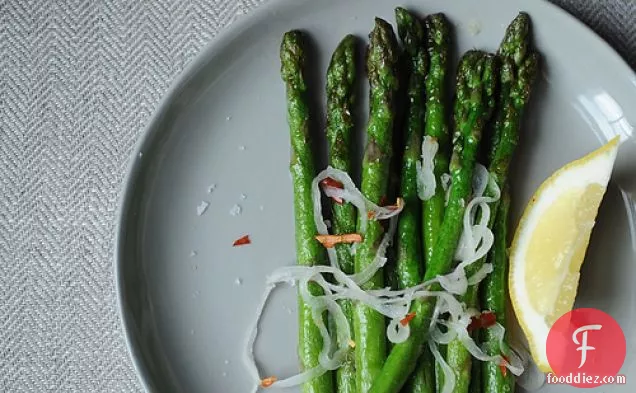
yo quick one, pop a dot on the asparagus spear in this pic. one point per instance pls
(308, 250)
(369, 325)
(438, 45)
(494, 299)
(410, 261)
(519, 69)
(475, 100)
(409, 258)
(341, 78)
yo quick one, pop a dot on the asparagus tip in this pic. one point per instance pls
(342, 67)
(292, 56)
(381, 25)
(410, 30)
(383, 53)
(438, 27)
(517, 38)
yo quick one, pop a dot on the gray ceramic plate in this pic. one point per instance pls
(187, 295)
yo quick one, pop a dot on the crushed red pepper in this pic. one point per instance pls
(405, 321)
(502, 365)
(484, 320)
(269, 381)
(329, 182)
(241, 241)
(329, 241)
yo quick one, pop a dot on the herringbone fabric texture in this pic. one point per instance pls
(78, 82)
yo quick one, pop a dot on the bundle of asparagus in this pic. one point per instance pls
(491, 92)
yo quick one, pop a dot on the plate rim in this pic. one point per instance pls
(208, 52)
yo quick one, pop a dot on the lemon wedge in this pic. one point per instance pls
(550, 243)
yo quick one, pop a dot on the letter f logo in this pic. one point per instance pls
(583, 346)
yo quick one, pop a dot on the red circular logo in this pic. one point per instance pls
(585, 348)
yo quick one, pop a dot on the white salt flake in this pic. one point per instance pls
(226, 361)
(243, 197)
(193, 254)
(235, 210)
(211, 188)
(261, 208)
(241, 147)
(238, 281)
(203, 206)
(474, 27)
(228, 118)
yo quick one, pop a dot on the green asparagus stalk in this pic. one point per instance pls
(410, 261)
(308, 250)
(409, 258)
(519, 69)
(341, 79)
(438, 45)
(476, 79)
(494, 299)
(369, 325)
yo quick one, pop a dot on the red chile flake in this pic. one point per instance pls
(484, 320)
(329, 182)
(488, 319)
(241, 241)
(502, 365)
(330, 241)
(405, 321)
(267, 382)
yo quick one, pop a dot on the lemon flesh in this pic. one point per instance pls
(550, 244)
